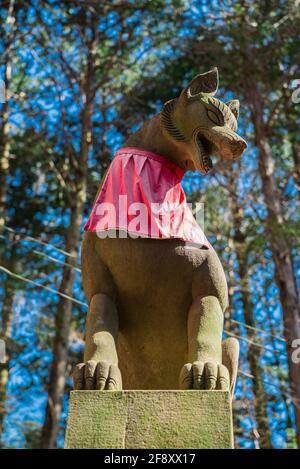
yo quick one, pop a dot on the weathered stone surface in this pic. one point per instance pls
(168, 297)
(149, 419)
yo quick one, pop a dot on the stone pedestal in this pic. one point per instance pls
(149, 419)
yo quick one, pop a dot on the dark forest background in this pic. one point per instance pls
(79, 76)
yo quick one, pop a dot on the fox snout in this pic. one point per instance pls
(237, 147)
(230, 146)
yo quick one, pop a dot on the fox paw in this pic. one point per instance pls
(97, 375)
(204, 375)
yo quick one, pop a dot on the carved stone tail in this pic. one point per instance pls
(230, 358)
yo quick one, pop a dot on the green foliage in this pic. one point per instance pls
(143, 53)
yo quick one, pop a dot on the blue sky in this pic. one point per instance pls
(34, 308)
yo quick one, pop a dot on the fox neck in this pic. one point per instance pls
(152, 137)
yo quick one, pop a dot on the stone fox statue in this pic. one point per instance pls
(156, 303)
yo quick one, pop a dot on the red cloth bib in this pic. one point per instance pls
(142, 196)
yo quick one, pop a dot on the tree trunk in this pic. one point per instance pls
(5, 146)
(291, 126)
(5, 334)
(5, 125)
(280, 247)
(5, 149)
(285, 397)
(62, 331)
(296, 158)
(63, 320)
(240, 248)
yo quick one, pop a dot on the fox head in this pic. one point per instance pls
(201, 125)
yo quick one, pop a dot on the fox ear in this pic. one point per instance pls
(204, 83)
(234, 105)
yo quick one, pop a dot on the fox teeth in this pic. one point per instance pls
(205, 158)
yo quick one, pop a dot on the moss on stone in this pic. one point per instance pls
(149, 419)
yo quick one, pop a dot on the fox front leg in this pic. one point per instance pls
(100, 368)
(205, 369)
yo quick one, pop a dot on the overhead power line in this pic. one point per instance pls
(43, 254)
(283, 393)
(77, 268)
(74, 300)
(269, 349)
(44, 287)
(39, 241)
(257, 329)
(53, 259)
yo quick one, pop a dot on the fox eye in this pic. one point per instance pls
(215, 118)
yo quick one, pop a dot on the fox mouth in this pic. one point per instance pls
(205, 150)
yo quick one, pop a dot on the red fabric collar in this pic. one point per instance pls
(142, 196)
